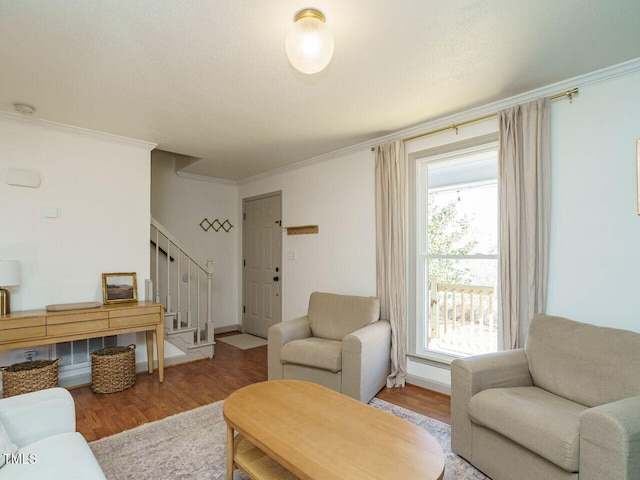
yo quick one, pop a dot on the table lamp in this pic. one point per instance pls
(9, 276)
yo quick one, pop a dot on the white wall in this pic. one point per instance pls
(180, 204)
(338, 196)
(595, 236)
(595, 227)
(101, 186)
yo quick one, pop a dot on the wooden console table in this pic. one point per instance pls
(40, 327)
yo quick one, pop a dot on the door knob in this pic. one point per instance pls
(275, 279)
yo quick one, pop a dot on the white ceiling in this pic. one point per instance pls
(210, 79)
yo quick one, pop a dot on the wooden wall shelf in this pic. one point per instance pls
(302, 230)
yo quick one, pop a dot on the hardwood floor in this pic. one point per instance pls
(199, 383)
(426, 402)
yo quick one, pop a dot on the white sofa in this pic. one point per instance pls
(43, 426)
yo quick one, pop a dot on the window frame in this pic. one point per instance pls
(417, 193)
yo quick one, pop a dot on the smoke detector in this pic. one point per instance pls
(24, 108)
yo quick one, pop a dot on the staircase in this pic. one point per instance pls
(182, 283)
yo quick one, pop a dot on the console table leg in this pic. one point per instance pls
(230, 453)
(160, 348)
(149, 335)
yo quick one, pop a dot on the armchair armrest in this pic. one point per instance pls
(492, 370)
(366, 360)
(610, 441)
(33, 416)
(281, 334)
(474, 374)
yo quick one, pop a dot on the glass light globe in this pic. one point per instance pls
(309, 43)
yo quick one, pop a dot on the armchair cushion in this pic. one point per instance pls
(314, 352)
(36, 415)
(6, 444)
(335, 316)
(42, 425)
(538, 420)
(587, 364)
(65, 456)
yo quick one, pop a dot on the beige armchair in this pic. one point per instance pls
(341, 343)
(567, 406)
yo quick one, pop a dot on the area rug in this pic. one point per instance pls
(192, 446)
(243, 341)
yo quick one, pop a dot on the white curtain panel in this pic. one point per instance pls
(524, 176)
(390, 252)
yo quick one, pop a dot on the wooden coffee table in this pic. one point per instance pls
(289, 427)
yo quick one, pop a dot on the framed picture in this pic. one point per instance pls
(119, 287)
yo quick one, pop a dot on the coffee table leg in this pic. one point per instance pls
(229, 453)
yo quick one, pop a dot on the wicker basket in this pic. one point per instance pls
(29, 376)
(113, 369)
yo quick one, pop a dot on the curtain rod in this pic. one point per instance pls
(568, 93)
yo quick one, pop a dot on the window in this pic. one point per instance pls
(457, 253)
(77, 354)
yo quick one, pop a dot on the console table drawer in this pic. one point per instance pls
(20, 323)
(77, 327)
(134, 312)
(77, 318)
(119, 322)
(25, 333)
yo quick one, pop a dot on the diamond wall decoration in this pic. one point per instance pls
(215, 225)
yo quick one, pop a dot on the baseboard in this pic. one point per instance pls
(83, 379)
(75, 380)
(177, 359)
(227, 328)
(429, 384)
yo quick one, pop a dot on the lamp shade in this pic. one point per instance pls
(309, 44)
(9, 273)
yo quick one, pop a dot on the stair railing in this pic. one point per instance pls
(168, 283)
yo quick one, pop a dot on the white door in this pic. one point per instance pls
(262, 260)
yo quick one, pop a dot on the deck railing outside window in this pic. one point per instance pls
(462, 318)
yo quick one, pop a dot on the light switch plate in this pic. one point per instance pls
(50, 212)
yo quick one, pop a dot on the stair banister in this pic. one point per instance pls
(178, 244)
(157, 284)
(205, 268)
(178, 313)
(209, 301)
(189, 294)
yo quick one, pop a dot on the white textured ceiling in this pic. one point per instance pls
(210, 79)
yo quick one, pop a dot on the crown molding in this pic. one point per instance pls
(599, 76)
(605, 74)
(309, 161)
(205, 178)
(61, 127)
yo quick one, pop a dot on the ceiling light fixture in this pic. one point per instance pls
(309, 43)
